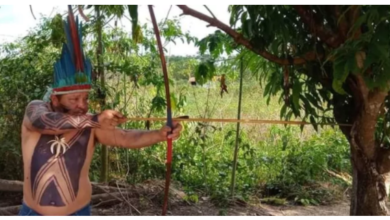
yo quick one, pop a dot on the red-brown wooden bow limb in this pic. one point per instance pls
(169, 113)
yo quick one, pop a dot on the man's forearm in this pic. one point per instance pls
(140, 139)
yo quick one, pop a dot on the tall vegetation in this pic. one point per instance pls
(273, 161)
(329, 65)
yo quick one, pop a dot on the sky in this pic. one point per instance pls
(16, 20)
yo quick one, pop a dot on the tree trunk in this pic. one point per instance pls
(11, 185)
(383, 163)
(101, 96)
(368, 197)
(369, 192)
(369, 161)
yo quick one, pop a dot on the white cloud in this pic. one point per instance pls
(17, 20)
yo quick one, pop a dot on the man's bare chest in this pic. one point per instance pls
(56, 166)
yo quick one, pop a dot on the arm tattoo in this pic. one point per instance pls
(43, 119)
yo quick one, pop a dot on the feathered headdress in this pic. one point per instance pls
(72, 72)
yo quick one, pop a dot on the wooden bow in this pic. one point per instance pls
(169, 112)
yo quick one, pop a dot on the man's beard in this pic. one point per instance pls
(64, 109)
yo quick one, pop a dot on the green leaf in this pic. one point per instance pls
(158, 103)
(133, 11)
(173, 101)
(283, 111)
(313, 101)
(340, 72)
(212, 44)
(308, 108)
(247, 28)
(244, 16)
(351, 65)
(297, 88)
(381, 51)
(201, 74)
(267, 89)
(313, 122)
(136, 29)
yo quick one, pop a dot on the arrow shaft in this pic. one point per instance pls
(231, 120)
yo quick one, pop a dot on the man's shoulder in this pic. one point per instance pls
(31, 107)
(36, 103)
(34, 106)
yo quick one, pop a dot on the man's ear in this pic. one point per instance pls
(54, 100)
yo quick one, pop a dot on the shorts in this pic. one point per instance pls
(27, 211)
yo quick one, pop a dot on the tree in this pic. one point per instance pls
(330, 64)
(26, 67)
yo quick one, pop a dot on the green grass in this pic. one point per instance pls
(274, 160)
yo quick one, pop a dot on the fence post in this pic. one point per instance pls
(233, 183)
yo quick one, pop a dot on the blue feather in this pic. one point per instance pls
(70, 65)
(65, 68)
(59, 69)
(56, 71)
(87, 67)
(63, 62)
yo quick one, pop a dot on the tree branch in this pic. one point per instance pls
(354, 15)
(82, 13)
(238, 38)
(166, 17)
(341, 22)
(362, 89)
(32, 12)
(318, 30)
(210, 11)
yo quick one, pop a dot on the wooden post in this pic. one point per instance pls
(233, 183)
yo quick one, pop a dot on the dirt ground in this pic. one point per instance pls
(146, 199)
(148, 205)
(208, 209)
(341, 209)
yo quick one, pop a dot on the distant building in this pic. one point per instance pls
(192, 81)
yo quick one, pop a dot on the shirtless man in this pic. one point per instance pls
(58, 136)
(58, 140)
